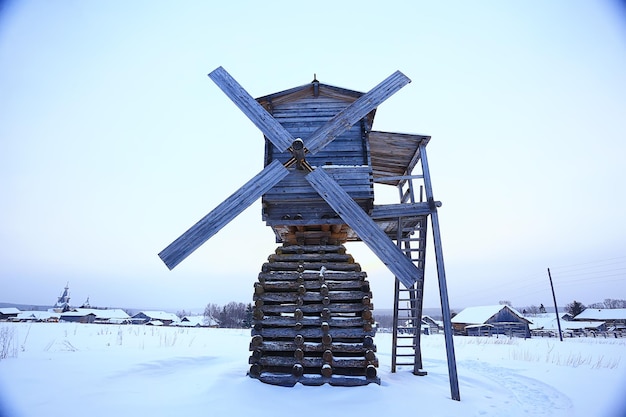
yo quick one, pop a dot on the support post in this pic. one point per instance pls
(556, 307)
(441, 274)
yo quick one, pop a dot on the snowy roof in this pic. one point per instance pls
(37, 315)
(159, 315)
(9, 310)
(479, 315)
(197, 321)
(602, 314)
(546, 323)
(113, 313)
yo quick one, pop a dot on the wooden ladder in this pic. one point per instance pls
(408, 302)
(407, 308)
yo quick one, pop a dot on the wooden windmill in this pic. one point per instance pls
(313, 319)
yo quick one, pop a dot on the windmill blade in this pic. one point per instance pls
(356, 111)
(266, 123)
(230, 208)
(397, 262)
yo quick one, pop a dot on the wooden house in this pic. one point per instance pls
(8, 313)
(490, 320)
(613, 317)
(78, 316)
(145, 317)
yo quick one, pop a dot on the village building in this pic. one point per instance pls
(154, 318)
(547, 325)
(491, 320)
(96, 315)
(8, 313)
(197, 321)
(434, 326)
(37, 316)
(615, 318)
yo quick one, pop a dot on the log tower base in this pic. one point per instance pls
(312, 319)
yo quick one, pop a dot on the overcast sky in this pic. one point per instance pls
(113, 141)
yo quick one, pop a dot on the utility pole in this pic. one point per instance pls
(556, 308)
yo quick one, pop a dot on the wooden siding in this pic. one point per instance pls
(294, 202)
(302, 112)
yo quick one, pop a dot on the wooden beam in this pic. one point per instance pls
(397, 262)
(390, 211)
(226, 211)
(273, 130)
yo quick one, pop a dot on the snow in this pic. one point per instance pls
(136, 370)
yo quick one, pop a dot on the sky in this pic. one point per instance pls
(113, 141)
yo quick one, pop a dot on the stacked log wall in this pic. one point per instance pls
(313, 319)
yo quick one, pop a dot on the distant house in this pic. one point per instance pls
(78, 317)
(38, 316)
(197, 321)
(433, 325)
(490, 320)
(96, 315)
(145, 317)
(546, 324)
(613, 317)
(8, 313)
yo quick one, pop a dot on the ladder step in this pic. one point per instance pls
(405, 355)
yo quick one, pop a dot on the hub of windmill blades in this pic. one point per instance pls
(298, 151)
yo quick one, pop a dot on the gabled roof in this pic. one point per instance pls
(38, 315)
(159, 315)
(480, 315)
(112, 313)
(602, 314)
(307, 90)
(9, 310)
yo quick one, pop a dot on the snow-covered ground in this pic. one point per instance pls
(105, 370)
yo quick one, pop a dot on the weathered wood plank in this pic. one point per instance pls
(337, 347)
(354, 307)
(281, 379)
(311, 257)
(312, 248)
(312, 275)
(336, 333)
(289, 297)
(273, 130)
(310, 285)
(294, 266)
(313, 362)
(282, 321)
(388, 211)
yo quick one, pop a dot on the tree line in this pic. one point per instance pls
(233, 315)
